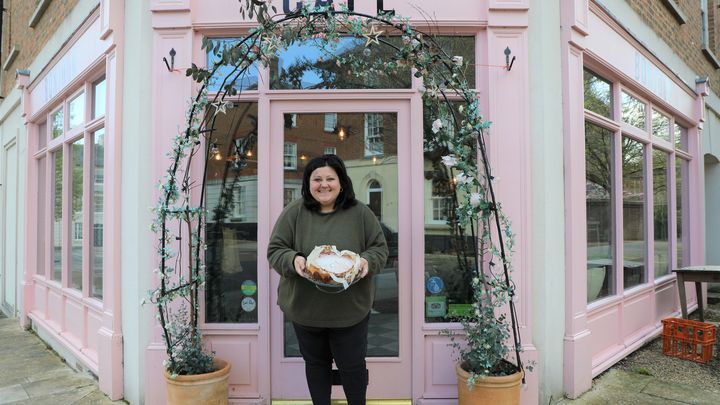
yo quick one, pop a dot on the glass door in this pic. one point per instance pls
(371, 137)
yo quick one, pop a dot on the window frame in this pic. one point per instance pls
(620, 130)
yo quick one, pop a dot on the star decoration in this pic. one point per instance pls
(220, 107)
(372, 36)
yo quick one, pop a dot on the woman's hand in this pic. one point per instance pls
(364, 268)
(299, 264)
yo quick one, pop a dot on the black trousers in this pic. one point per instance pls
(348, 347)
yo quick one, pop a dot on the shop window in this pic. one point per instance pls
(681, 134)
(660, 126)
(57, 214)
(373, 134)
(73, 155)
(598, 94)
(231, 195)
(633, 111)
(226, 74)
(447, 279)
(98, 109)
(633, 194)
(77, 111)
(290, 156)
(42, 135)
(457, 45)
(58, 123)
(308, 65)
(599, 196)
(330, 122)
(681, 201)
(661, 220)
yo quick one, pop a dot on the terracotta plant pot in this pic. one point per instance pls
(503, 390)
(208, 389)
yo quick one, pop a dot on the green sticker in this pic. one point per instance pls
(248, 287)
(435, 306)
(459, 309)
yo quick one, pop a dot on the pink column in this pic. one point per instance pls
(577, 377)
(32, 204)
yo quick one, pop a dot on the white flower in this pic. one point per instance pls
(461, 108)
(449, 160)
(436, 125)
(457, 60)
(461, 178)
(475, 199)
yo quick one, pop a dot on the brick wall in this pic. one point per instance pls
(17, 32)
(685, 40)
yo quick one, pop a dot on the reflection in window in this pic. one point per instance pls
(42, 135)
(682, 201)
(77, 111)
(383, 335)
(599, 198)
(634, 244)
(681, 137)
(457, 46)
(633, 111)
(330, 122)
(98, 98)
(661, 224)
(330, 150)
(231, 189)
(373, 134)
(448, 279)
(598, 94)
(291, 192)
(225, 74)
(290, 156)
(660, 126)
(57, 123)
(57, 230)
(309, 64)
(98, 212)
(76, 214)
(41, 216)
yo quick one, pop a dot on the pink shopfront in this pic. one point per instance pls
(282, 119)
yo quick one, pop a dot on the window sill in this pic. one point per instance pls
(710, 56)
(39, 11)
(11, 57)
(675, 10)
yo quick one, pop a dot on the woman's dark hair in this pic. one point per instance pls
(345, 199)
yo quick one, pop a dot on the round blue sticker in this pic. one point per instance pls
(434, 285)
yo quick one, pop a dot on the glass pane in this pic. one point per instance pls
(43, 189)
(633, 111)
(599, 198)
(448, 290)
(57, 214)
(598, 94)
(98, 157)
(99, 98)
(245, 81)
(77, 111)
(77, 214)
(380, 173)
(682, 200)
(634, 244)
(307, 65)
(57, 123)
(661, 221)
(660, 126)
(457, 46)
(681, 137)
(231, 189)
(42, 135)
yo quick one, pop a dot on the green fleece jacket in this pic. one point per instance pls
(298, 231)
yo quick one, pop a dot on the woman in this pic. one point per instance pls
(328, 326)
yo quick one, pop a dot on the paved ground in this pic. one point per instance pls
(32, 374)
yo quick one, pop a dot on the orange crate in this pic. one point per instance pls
(687, 339)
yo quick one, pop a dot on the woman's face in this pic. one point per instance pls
(325, 187)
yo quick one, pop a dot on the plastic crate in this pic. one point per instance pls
(689, 340)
